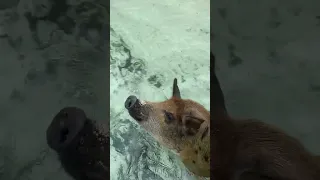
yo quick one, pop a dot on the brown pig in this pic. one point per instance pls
(246, 149)
(181, 125)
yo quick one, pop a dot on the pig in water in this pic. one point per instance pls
(181, 125)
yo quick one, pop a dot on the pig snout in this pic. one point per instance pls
(65, 127)
(132, 103)
(80, 143)
(134, 107)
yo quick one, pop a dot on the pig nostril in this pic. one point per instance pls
(65, 128)
(130, 102)
(63, 134)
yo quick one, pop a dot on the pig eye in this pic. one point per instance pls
(169, 117)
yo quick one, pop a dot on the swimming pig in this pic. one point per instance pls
(181, 125)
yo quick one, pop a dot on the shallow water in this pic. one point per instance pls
(40, 76)
(151, 44)
(46, 67)
(267, 65)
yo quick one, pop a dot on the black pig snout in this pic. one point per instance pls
(65, 127)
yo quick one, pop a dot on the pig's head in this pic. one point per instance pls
(175, 123)
(81, 144)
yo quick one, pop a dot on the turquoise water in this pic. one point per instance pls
(267, 64)
(154, 42)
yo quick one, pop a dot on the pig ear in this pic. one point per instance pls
(175, 89)
(191, 124)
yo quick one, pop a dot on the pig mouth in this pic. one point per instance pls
(136, 109)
